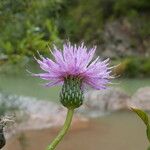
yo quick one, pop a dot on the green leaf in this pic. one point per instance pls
(142, 115)
(145, 119)
(148, 132)
(148, 148)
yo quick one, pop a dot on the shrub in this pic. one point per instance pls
(28, 25)
(134, 67)
(145, 69)
(87, 18)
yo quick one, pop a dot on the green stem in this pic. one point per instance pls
(63, 131)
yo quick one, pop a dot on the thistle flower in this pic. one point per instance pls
(75, 69)
(74, 64)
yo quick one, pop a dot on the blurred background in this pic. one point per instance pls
(121, 31)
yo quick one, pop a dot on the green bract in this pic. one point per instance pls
(71, 95)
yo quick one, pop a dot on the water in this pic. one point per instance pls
(131, 85)
(23, 84)
(117, 131)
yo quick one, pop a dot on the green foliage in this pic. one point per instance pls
(87, 18)
(145, 119)
(140, 23)
(28, 25)
(125, 7)
(146, 67)
(134, 67)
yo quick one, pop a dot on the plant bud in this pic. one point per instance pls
(71, 95)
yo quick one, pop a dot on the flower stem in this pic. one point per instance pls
(63, 131)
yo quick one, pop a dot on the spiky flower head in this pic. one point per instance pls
(74, 68)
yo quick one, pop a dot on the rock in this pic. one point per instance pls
(121, 40)
(44, 114)
(117, 40)
(111, 99)
(141, 99)
(33, 114)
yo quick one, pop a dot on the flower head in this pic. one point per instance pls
(76, 61)
(75, 68)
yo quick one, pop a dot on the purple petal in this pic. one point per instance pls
(53, 83)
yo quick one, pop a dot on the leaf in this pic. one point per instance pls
(142, 115)
(148, 132)
(148, 148)
(145, 119)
